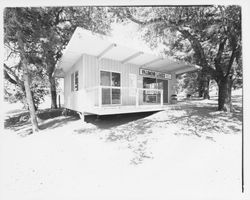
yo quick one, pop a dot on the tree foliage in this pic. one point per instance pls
(60, 23)
(47, 32)
(188, 82)
(15, 91)
(208, 36)
(37, 36)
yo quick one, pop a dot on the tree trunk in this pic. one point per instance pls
(52, 91)
(204, 83)
(26, 78)
(33, 99)
(201, 91)
(30, 99)
(225, 91)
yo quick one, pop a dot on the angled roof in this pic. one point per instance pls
(85, 42)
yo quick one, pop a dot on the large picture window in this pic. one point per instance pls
(111, 90)
(154, 96)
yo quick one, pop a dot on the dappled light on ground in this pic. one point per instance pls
(139, 131)
(55, 123)
(47, 119)
(190, 146)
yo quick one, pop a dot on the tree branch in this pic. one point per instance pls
(57, 16)
(217, 60)
(196, 45)
(220, 51)
(14, 50)
(144, 23)
(10, 71)
(232, 57)
(8, 77)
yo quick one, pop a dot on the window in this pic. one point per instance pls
(111, 91)
(116, 79)
(153, 96)
(74, 81)
(105, 78)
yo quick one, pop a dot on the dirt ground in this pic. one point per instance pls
(189, 150)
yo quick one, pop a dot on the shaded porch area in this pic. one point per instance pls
(108, 100)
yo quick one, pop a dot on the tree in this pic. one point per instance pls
(213, 33)
(21, 37)
(54, 27)
(57, 27)
(188, 82)
(14, 85)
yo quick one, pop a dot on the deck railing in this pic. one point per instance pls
(127, 96)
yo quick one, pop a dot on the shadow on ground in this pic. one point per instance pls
(59, 122)
(47, 119)
(111, 121)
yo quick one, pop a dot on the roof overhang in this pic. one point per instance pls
(100, 46)
(58, 72)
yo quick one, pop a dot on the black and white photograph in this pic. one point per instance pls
(124, 100)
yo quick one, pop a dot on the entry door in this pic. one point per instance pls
(163, 84)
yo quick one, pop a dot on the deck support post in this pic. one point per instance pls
(82, 116)
(161, 97)
(97, 118)
(137, 97)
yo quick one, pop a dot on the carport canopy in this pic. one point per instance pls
(100, 46)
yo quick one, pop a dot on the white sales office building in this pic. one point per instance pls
(102, 77)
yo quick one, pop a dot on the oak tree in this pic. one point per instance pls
(212, 32)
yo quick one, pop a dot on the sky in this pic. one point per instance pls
(129, 35)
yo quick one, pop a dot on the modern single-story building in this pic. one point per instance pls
(103, 77)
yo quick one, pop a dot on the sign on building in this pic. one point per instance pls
(154, 74)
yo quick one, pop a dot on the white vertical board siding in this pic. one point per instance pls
(92, 67)
(91, 79)
(66, 89)
(74, 99)
(89, 68)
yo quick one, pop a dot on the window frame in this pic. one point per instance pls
(157, 85)
(111, 87)
(73, 82)
(76, 84)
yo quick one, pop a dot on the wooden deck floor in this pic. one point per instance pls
(123, 109)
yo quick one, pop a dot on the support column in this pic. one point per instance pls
(137, 97)
(172, 85)
(161, 97)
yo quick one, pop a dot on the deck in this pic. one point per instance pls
(112, 110)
